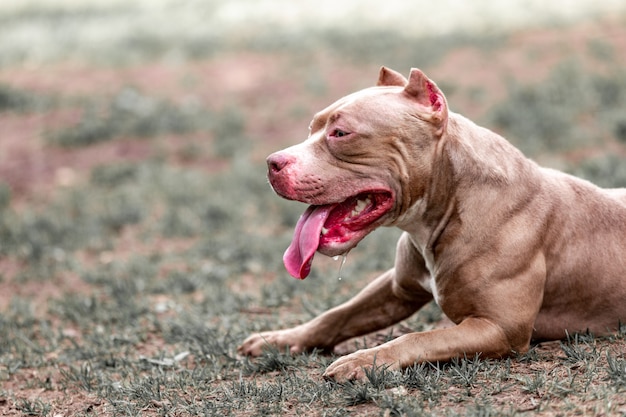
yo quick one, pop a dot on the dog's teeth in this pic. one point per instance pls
(324, 231)
(360, 206)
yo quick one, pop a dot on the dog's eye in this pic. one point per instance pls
(338, 133)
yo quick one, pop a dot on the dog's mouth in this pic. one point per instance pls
(334, 229)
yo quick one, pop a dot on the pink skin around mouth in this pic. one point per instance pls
(333, 229)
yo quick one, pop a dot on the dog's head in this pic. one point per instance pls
(367, 160)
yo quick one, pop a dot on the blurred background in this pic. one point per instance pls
(133, 136)
(82, 83)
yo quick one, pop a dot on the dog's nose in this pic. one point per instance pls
(277, 161)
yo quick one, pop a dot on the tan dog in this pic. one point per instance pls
(509, 250)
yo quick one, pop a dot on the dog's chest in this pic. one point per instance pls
(429, 283)
(419, 235)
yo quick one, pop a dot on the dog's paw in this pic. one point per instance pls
(353, 367)
(255, 344)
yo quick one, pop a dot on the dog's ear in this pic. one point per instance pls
(428, 96)
(388, 78)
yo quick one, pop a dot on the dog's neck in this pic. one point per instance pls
(470, 149)
(460, 164)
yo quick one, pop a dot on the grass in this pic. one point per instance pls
(131, 289)
(539, 117)
(129, 113)
(606, 170)
(12, 99)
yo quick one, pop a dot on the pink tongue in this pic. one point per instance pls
(306, 238)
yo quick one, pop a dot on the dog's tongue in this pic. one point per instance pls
(306, 239)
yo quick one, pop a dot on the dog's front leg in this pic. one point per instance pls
(473, 335)
(494, 320)
(377, 306)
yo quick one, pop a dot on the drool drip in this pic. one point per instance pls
(344, 257)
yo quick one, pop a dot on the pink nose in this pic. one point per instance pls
(276, 162)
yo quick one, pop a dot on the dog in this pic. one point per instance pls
(510, 251)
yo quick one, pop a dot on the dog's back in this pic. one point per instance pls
(617, 193)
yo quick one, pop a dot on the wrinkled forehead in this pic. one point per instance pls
(374, 103)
